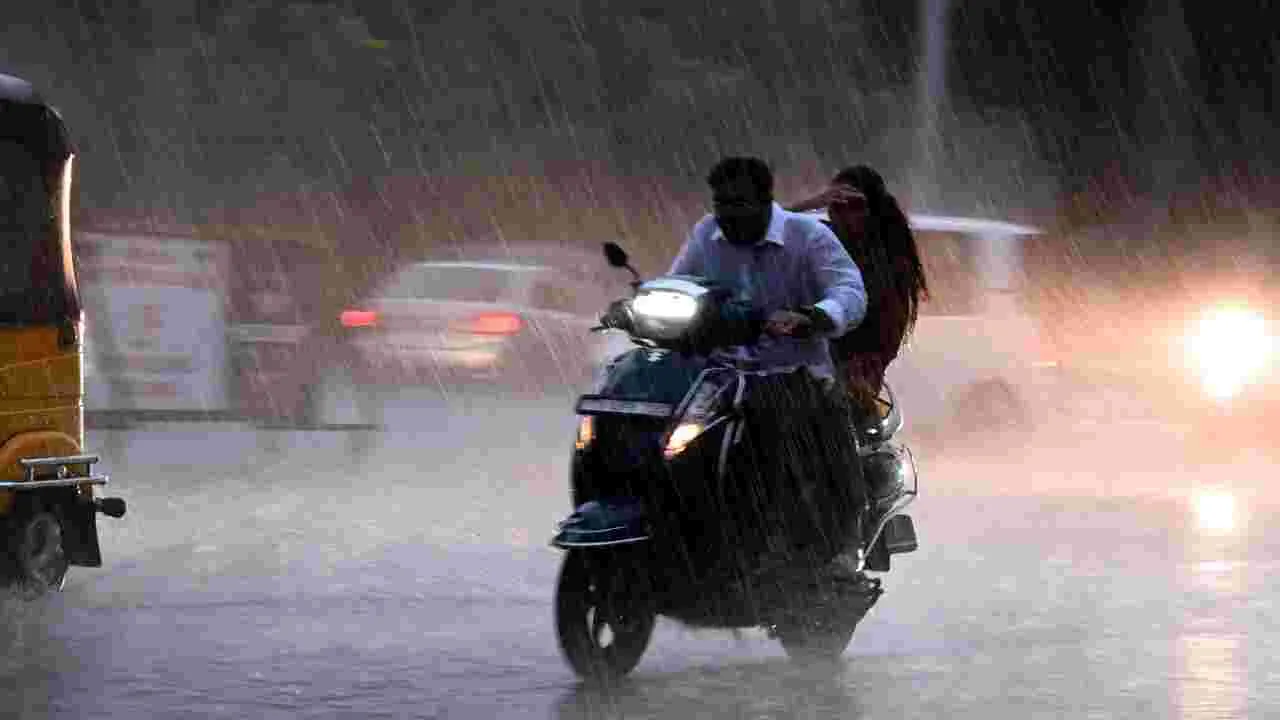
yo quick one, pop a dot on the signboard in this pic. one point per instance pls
(274, 294)
(155, 322)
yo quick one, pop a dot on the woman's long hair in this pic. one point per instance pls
(887, 254)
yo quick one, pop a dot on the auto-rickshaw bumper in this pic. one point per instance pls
(64, 476)
(70, 478)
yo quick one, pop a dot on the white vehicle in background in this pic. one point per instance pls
(975, 358)
(478, 320)
(498, 323)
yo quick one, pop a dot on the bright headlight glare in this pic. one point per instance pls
(684, 434)
(1216, 511)
(1230, 348)
(665, 305)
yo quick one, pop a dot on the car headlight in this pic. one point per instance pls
(1230, 348)
(1216, 511)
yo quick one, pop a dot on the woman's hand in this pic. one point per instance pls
(841, 194)
(833, 195)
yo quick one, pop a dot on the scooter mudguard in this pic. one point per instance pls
(601, 523)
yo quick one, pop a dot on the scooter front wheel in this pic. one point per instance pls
(603, 622)
(810, 646)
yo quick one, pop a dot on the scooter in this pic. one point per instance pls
(662, 520)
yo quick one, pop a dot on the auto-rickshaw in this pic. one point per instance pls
(49, 491)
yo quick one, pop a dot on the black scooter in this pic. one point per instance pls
(661, 525)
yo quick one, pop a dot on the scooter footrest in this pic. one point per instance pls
(900, 535)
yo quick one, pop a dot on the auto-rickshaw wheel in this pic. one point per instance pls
(38, 563)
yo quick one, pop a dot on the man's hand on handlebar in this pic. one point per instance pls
(802, 324)
(785, 323)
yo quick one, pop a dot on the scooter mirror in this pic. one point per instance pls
(616, 256)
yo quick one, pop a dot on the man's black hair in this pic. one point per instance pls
(732, 168)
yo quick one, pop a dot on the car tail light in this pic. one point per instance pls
(358, 318)
(496, 324)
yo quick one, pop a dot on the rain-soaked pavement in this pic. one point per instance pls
(418, 584)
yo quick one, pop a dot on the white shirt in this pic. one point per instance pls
(800, 262)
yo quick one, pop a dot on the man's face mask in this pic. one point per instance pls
(743, 217)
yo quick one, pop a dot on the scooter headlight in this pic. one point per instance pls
(663, 314)
(663, 309)
(665, 306)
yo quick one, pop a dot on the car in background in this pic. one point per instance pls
(497, 323)
(976, 361)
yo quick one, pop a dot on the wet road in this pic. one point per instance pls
(399, 588)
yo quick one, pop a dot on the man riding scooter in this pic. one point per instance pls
(794, 269)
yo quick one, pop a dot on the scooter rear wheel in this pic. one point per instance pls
(603, 625)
